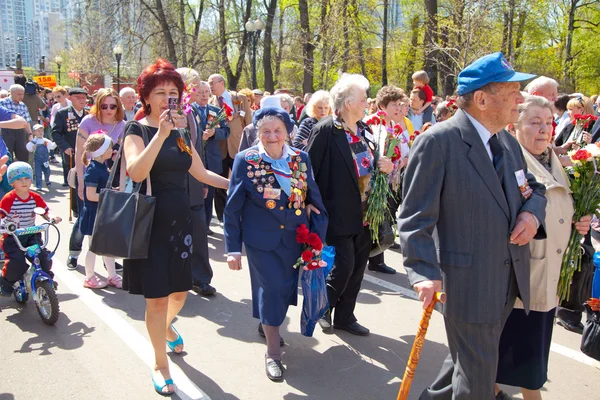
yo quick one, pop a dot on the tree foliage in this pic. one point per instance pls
(307, 44)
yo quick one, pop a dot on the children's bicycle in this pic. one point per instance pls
(36, 281)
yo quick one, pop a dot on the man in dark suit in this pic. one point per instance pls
(469, 210)
(214, 139)
(64, 133)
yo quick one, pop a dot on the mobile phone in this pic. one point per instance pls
(173, 103)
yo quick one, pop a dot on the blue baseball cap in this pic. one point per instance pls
(488, 69)
(18, 170)
(277, 112)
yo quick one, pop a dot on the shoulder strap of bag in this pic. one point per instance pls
(118, 158)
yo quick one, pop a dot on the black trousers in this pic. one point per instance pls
(16, 265)
(221, 194)
(393, 203)
(76, 239)
(343, 283)
(201, 269)
(66, 159)
(15, 140)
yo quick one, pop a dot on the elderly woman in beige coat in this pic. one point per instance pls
(525, 340)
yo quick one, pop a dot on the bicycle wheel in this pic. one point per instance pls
(47, 304)
(21, 296)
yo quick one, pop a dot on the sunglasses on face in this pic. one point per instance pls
(107, 106)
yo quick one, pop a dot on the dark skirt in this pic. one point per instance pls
(87, 218)
(274, 282)
(525, 348)
(168, 266)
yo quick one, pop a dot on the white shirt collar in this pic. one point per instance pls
(484, 134)
(287, 151)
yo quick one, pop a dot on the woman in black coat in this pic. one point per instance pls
(341, 151)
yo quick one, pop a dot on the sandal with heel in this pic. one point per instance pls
(177, 342)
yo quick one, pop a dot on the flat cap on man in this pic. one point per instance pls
(77, 90)
(487, 69)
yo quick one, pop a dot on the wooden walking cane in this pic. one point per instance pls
(71, 189)
(415, 353)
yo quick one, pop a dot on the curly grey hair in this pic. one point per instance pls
(345, 90)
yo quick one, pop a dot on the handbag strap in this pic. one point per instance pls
(113, 171)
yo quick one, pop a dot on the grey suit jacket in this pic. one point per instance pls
(456, 219)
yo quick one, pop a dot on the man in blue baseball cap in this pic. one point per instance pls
(469, 210)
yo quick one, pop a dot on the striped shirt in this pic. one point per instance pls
(19, 109)
(20, 211)
(301, 139)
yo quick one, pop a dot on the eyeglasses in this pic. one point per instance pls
(107, 106)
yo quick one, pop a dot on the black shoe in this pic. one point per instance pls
(5, 292)
(395, 246)
(209, 232)
(384, 269)
(576, 327)
(325, 321)
(274, 370)
(261, 332)
(48, 184)
(72, 263)
(204, 289)
(354, 328)
(65, 184)
(503, 396)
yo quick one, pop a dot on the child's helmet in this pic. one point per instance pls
(18, 170)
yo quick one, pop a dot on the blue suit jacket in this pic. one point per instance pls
(247, 218)
(212, 151)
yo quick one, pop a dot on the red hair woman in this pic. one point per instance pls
(166, 159)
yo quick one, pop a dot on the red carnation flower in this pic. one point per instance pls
(302, 234)
(397, 154)
(581, 155)
(307, 255)
(228, 110)
(397, 129)
(376, 120)
(315, 241)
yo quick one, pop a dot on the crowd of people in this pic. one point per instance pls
(477, 190)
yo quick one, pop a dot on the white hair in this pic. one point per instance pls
(539, 83)
(320, 96)
(4, 93)
(283, 97)
(16, 87)
(126, 90)
(204, 83)
(188, 75)
(533, 101)
(268, 118)
(346, 89)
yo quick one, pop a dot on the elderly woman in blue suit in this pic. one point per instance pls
(272, 191)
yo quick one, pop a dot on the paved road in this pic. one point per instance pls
(99, 348)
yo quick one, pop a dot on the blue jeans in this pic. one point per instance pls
(39, 169)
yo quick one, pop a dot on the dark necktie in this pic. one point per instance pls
(221, 101)
(203, 114)
(498, 155)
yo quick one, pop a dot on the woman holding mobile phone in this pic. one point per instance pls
(154, 149)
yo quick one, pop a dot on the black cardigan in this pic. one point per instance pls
(336, 177)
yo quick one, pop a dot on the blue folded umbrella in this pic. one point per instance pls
(314, 290)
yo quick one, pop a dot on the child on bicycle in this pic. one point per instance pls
(97, 149)
(18, 206)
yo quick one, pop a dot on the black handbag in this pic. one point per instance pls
(590, 340)
(124, 220)
(386, 239)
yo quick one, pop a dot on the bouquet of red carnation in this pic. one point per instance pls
(581, 122)
(310, 258)
(214, 119)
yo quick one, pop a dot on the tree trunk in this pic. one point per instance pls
(522, 18)
(159, 13)
(568, 69)
(271, 7)
(184, 49)
(322, 38)
(384, 78)
(359, 40)
(307, 48)
(279, 52)
(414, 42)
(232, 77)
(430, 43)
(447, 72)
(510, 29)
(346, 55)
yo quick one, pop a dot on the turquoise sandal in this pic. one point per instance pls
(177, 342)
(159, 389)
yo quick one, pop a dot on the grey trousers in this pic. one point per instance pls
(469, 371)
(201, 269)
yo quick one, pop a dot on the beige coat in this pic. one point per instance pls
(546, 255)
(237, 124)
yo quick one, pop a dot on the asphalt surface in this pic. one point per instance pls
(99, 348)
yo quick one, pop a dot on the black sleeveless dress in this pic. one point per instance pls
(168, 266)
